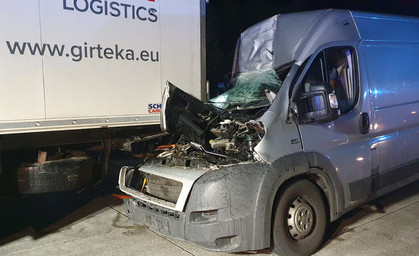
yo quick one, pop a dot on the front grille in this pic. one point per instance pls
(153, 185)
(162, 188)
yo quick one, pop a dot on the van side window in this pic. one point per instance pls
(335, 66)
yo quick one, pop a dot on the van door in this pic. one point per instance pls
(345, 141)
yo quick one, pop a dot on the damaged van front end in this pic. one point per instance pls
(205, 188)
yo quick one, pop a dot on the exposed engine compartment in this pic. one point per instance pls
(233, 142)
(237, 139)
(222, 131)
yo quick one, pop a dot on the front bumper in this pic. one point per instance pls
(224, 234)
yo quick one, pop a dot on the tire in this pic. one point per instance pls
(300, 220)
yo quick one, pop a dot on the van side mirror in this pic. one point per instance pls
(318, 105)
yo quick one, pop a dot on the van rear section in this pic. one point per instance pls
(321, 118)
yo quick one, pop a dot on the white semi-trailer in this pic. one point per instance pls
(81, 71)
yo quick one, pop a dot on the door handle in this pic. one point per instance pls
(364, 123)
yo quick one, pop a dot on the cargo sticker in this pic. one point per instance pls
(154, 108)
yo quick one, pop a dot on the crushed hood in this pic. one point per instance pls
(183, 114)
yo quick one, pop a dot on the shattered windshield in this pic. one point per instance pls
(250, 88)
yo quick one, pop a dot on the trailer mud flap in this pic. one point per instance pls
(53, 176)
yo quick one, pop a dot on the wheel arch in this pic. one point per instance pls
(329, 182)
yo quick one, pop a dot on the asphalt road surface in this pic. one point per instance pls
(92, 222)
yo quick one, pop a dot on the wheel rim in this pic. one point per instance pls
(300, 219)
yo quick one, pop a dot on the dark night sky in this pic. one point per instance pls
(226, 19)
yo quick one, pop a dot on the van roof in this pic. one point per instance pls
(284, 38)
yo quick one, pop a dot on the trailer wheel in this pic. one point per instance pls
(300, 220)
(53, 176)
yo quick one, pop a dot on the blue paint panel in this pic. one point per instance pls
(375, 27)
(393, 75)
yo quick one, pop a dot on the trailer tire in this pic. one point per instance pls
(53, 176)
(300, 220)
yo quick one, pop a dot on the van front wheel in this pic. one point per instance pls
(300, 220)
